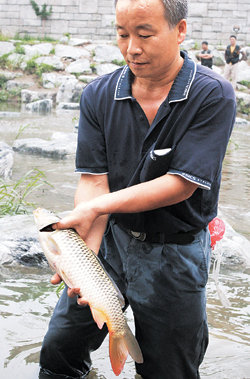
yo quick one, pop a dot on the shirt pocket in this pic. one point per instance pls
(156, 163)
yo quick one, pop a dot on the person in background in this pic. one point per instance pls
(151, 141)
(232, 57)
(206, 55)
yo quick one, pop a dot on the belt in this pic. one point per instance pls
(176, 238)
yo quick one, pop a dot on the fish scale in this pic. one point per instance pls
(80, 267)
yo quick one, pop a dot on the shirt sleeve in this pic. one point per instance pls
(91, 150)
(198, 156)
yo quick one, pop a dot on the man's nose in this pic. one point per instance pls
(134, 47)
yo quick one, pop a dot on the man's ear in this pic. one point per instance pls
(182, 30)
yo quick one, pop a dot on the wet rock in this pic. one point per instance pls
(9, 75)
(9, 114)
(28, 96)
(52, 61)
(68, 106)
(61, 146)
(16, 59)
(53, 79)
(6, 160)
(78, 41)
(243, 102)
(66, 51)
(106, 68)
(6, 47)
(108, 53)
(80, 66)
(40, 106)
(69, 92)
(15, 84)
(241, 121)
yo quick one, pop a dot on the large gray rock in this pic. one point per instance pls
(65, 51)
(40, 106)
(18, 84)
(107, 53)
(38, 49)
(52, 61)
(70, 91)
(28, 96)
(80, 66)
(218, 59)
(6, 47)
(243, 73)
(68, 106)
(6, 160)
(62, 145)
(105, 68)
(53, 79)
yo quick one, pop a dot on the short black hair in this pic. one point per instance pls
(205, 42)
(233, 36)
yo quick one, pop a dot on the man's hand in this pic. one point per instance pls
(72, 292)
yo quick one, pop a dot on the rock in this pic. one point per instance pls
(78, 41)
(9, 114)
(52, 61)
(87, 78)
(106, 68)
(243, 73)
(53, 79)
(6, 160)
(16, 59)
(71, 52)
(108, 53)
(15, 84)
(40, 106)
(70, 91)
(39, 49)
(6, 48)
(80, 66)
(243, 102)
(28, 96)
(241, 121)
(218, 59)
(187, 44)
(61, 146)
(10, 75)
(68, 106)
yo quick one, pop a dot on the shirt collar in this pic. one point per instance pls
(180, 88)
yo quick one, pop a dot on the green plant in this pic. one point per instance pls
(13, 195)
(41, 12)
(118, 63)
(4, 61)
(19, 49)
(3, 80)
(245, 83)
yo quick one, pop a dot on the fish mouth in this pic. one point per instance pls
(45, 219)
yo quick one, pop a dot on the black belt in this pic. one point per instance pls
(176, 238)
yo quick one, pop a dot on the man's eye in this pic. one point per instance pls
(144, 37)
(123, 35)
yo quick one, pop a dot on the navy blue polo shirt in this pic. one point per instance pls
(188, 137)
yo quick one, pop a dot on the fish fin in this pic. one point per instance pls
(133, 346)
(118, 353)
(98, 317)
(53, 246)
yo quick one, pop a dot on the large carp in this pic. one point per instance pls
(79, 267)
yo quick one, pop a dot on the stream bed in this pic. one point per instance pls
(27, 298)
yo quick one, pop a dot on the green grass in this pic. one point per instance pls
(14, 195)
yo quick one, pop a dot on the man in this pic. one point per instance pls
(232, 53)
(152, 137)
(206, 55)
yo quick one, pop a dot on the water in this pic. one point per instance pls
(27, 299)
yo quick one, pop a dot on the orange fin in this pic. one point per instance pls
(98, 317)
(118, 353)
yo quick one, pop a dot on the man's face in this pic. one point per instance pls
(232, 41)
(149, 45)
(204, 46)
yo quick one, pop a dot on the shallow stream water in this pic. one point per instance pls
(27, 299)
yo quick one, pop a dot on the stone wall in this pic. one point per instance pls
(212, 20)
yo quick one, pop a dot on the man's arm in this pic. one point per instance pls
(160, 192)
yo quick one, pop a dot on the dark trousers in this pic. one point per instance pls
(165, 287)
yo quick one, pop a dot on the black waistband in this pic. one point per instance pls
(177, 238)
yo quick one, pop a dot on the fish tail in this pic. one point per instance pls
(120, 347)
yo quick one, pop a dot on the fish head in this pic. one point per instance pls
(44, 219)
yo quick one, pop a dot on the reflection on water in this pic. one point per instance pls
(27, 298)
